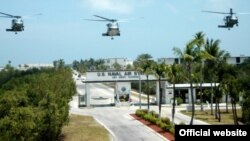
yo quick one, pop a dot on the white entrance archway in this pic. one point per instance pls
(119, 77)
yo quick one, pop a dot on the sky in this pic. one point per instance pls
(154, 27)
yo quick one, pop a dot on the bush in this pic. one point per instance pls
(179, 100)
(141, 112)
(168, 127)
(171, 130)
(166, 120)
(182, 123)
(152, 117)
(154, 114)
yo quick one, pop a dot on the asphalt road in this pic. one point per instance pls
(117, 119)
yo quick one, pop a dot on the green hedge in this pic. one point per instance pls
(151, 116)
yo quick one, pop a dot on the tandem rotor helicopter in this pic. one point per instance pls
(17, 24)
(230, 20)
(112, 26)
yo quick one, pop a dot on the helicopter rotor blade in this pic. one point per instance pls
(112, 20)
(216, 12)
(95, 20)
(9, 15)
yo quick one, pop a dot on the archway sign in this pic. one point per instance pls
(119, 77)
(116, 76)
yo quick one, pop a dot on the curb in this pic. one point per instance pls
(163, 138)
(113, 138)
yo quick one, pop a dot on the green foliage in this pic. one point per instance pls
(34, 104)
(179, 100)
(166, 120)
(244, 77)
(141, 112)
(182, 123)
(87, 65)
(152, 117)
(246, 111)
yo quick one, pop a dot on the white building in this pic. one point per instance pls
(169, 61)
(231, 60)
(31, 66)
(184, 90)
(237, 60)
(124, 62)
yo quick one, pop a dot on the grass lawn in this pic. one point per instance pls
(226, 117)
(84, 128)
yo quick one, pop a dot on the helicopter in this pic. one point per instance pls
(112, 26)
(230, 20)
(17, 23)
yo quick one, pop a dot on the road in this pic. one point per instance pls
(117, 119)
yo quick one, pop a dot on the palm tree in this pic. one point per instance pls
(147, 70)
(159, 70)
(189, 55)
(230, 84)
(143, 64)
(217, 55)
(174, 74)
(199, 37)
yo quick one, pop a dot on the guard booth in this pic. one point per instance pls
(122, 80)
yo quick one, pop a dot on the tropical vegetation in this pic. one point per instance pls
(34, 103)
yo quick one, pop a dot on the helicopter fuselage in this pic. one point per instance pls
(113, 30)
(230, 21)
(17, 26)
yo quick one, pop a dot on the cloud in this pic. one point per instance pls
(116, 6)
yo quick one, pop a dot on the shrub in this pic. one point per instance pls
(163, 126)
(147, 117)
(179, 100)
(168, 127)
(166, 120)
(153, 119)
(140, 113)
(171, 130)
(182, 123)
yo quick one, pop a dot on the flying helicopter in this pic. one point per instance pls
(112, 26)
(230, 20)
(17, 24)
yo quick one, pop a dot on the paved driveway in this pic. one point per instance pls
(117, 119)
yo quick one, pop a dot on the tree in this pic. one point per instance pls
(143, 64)
(117, 66)
(188, 56)
(36, 107)
(244, 77)
(159, 70)
(216, 56)
(59, 64)
(200, 42)
(174, 74)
